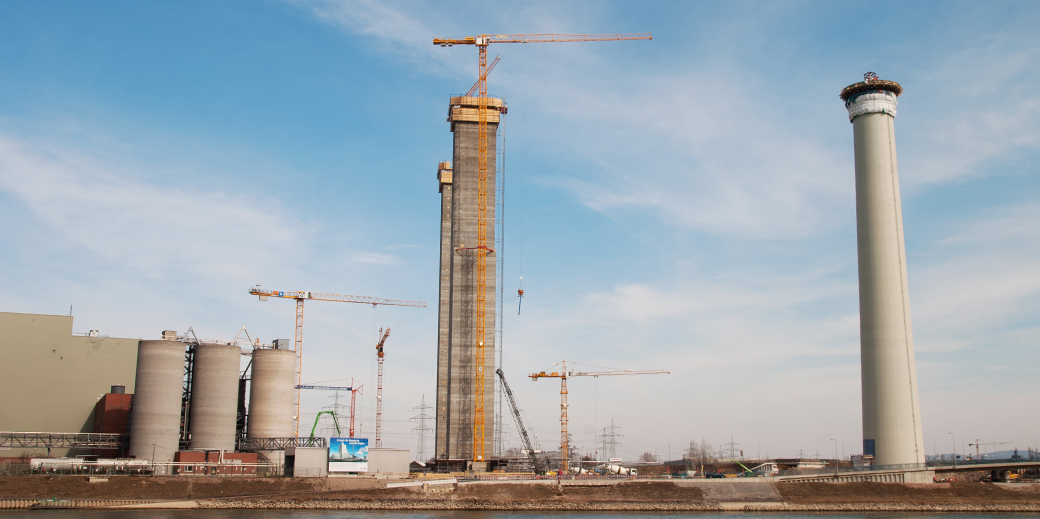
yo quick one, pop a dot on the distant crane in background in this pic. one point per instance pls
(563, 375)
(482, 249)
(353, 391)
(300, 296)
(379, 388)
(519, 422)
(976, 445)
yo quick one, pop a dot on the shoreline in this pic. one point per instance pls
(620, 496)
(474, 505)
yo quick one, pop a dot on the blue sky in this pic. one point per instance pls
(684, 203)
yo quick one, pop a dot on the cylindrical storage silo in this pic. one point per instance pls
(156, 414)
(271, 394)
(214, 396)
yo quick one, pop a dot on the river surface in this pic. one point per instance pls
(469, 514)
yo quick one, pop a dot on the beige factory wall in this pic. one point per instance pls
(50, 380)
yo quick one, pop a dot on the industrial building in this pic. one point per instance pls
(459, 280)
(891, 407)
(52, 379)
(178, 405)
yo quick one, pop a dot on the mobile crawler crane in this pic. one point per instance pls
(520, 423)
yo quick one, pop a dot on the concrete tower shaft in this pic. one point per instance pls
(457, 352)
(891, 410)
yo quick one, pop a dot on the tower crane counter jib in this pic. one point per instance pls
(482, 249)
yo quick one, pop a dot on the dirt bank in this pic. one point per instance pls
(924, 494)
(129, 487)
(681, 495)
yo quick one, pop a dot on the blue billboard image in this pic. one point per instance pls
(348, 454)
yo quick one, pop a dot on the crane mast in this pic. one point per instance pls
(482, 42)
(379, 388)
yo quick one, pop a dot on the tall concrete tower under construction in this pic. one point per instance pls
(891, 411)
(456, 334)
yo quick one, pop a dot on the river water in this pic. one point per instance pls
(468, 514)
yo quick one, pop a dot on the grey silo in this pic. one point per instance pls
(214, 397)
(891, 408)
(158, 388)
(271, 393)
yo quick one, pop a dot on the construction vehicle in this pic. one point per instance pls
(520, 423)
(379, 387)
(482, 249)
(563, 375)
(318, 417)
(300, 296)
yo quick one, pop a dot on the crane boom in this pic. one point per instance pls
(476, 85)
(300, 296)
(519, 420)
(326, 388)
(482, 249)
(485, 39)
(318, 417)
(341, 298)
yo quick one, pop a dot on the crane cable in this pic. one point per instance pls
(523, 168)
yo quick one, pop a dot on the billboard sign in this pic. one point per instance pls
(348, 454)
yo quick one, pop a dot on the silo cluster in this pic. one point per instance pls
(162, 407)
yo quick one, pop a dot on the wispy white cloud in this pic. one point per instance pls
(107, 209)
(406, 33)
(980, 279)
(972, 105)
(376, 258)
(704, 151)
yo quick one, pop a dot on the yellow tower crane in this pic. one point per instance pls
(482, 42)
(379, 387)
(563, 375)
(300, 297)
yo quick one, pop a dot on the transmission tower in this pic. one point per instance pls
(420, 452)
(340, 410)
(732, 448)
(609, 440)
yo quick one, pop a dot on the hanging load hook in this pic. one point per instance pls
(520, 294)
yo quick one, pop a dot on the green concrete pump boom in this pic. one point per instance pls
(318, 417)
